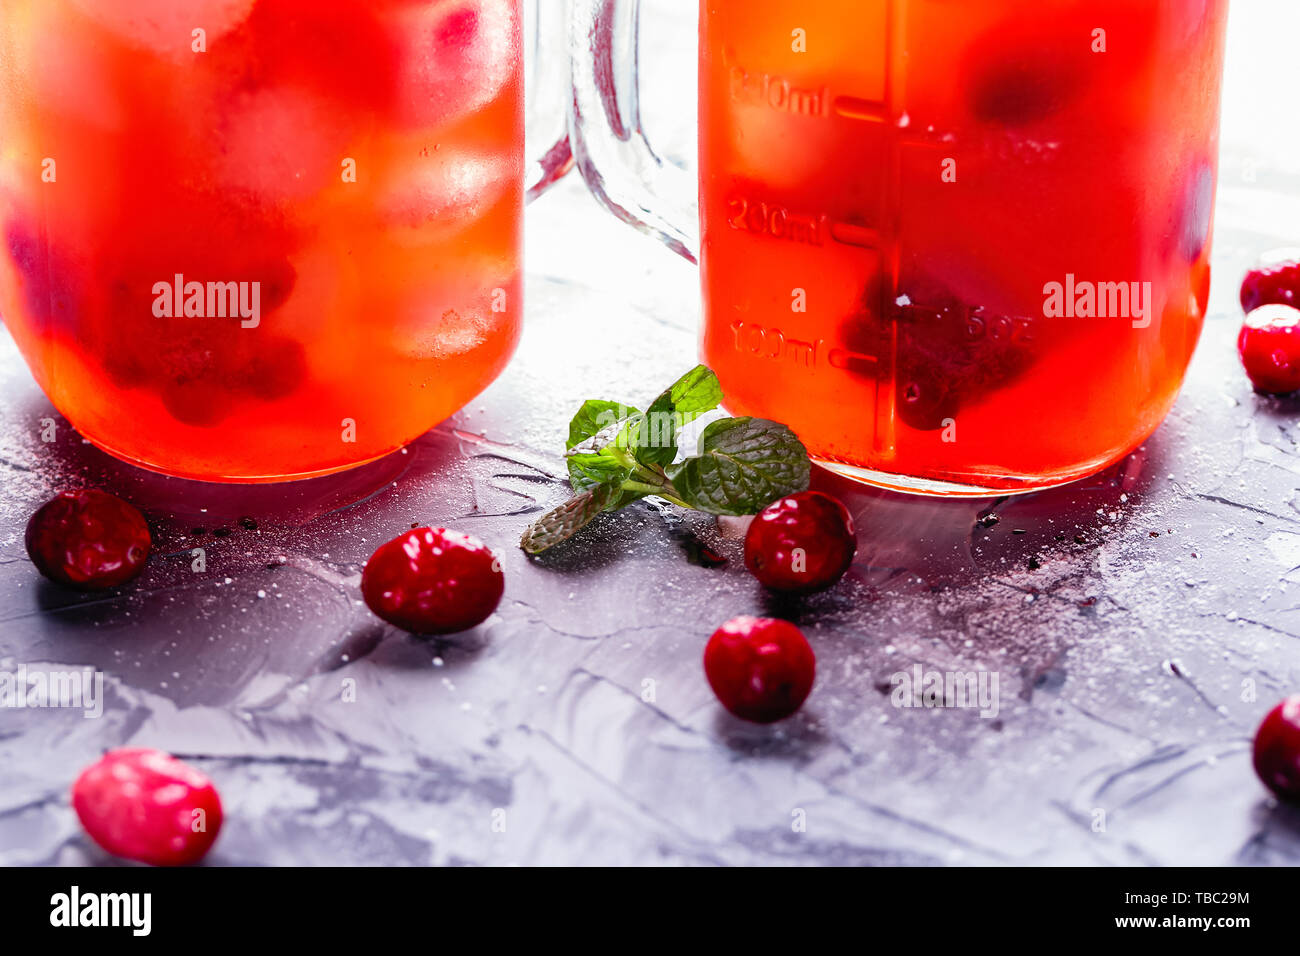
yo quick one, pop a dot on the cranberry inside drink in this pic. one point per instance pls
(259, 239)
(958, 246)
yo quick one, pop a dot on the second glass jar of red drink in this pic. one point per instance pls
(960, 248)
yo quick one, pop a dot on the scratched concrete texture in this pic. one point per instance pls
(1140, 623)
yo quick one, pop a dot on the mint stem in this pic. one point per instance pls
(661, 490)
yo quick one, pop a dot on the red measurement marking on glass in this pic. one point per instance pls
(851, 361)
(852, 234)
(856, 108)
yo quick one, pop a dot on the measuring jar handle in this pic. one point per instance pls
(546, 82)
(617, 161)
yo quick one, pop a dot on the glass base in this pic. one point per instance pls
(944, 489)
(219, 479)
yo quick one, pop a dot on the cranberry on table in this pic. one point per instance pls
(1277, 749)
(433, 581)
(1276, 283)
(148, 806)
(1269, 346)
(760, 668)
(801, 544)
(88, 539)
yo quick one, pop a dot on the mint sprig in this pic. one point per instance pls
(567, 520)
(618, 454)
(744, 465)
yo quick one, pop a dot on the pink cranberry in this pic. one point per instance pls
(1277, 749)
(88, 539)
(1269, 346)
(761, 669)
(459, 29)
(433, 581)
(145, 805)
(801, 544)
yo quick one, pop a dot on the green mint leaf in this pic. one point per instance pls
(586, 471)
(695, 393)
(653, 436)
(594, 417)
(591, 456)
(744, 465)
(567, 520)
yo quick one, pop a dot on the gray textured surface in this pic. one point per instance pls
(1124, 657)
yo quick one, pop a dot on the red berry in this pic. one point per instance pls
(52, 292)
(275, 370)
(433, 581)
(801, 544)
(1023, 92)
(459, 29)
(949, 353)
(451, 57)
(1277, 749)
(760, 668)
(1269, 346)
(146, 805)
(1275, 283)
(300, 44)
(88, 539)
